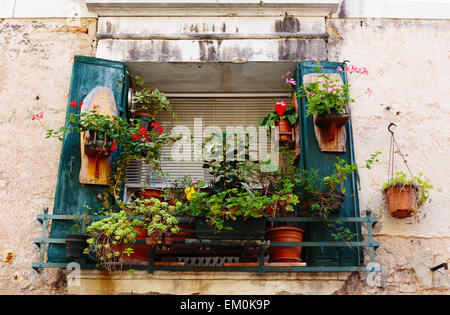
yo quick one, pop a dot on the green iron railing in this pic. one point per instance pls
(261, 267)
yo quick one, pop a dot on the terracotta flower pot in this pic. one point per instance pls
(401, 200)
(141, 252)
(149, 193)
(284, 126)
(285, 234)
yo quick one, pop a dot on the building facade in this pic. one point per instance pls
(193, 48)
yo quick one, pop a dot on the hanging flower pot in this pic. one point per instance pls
(285, 234)
(331, 124)
(146, 120)
(401, 199)
(97, 145)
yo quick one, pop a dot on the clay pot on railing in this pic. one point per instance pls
(285, 234)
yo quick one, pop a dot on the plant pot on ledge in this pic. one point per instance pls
(285, 234)
(401, 199)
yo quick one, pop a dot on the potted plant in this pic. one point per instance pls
(76, 242)
(100, 132)
(284, 117)
(110, 239)
(155, 219)
(147, 102)
(328, 98)
(405, 195)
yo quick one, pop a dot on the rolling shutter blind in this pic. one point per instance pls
(220, 112)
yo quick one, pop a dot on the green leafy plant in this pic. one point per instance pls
(148, 100)
(132, 141)
(422, 186)
(155, 216)
(111, 238)
(81, 223)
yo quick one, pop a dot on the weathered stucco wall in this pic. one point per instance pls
(407, 60)
(36, 64)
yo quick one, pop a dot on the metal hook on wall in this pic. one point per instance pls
(389, 127)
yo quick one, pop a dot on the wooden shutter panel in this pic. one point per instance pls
(311, 157)
(71, 196)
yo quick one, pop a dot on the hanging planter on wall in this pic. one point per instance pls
(404, 196)
(328, 98)
(401, 199)
(97, 145)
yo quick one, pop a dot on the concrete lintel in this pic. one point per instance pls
(211, 7)
(227, 27)
(234, 51)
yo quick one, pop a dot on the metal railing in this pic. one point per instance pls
(261, 266)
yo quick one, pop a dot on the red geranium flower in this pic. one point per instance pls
(114, 146)
(142, 131)
(158, 127)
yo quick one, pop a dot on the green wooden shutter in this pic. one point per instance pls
(312, 158)
(71, 196)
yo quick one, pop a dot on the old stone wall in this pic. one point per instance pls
(35, 64)
(407, 62)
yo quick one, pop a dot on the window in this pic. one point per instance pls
(211, 111)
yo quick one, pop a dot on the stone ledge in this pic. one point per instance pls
(163, 282)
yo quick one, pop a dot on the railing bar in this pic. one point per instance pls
(187, 219)
(219, 268)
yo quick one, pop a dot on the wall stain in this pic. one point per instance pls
(289, 24)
